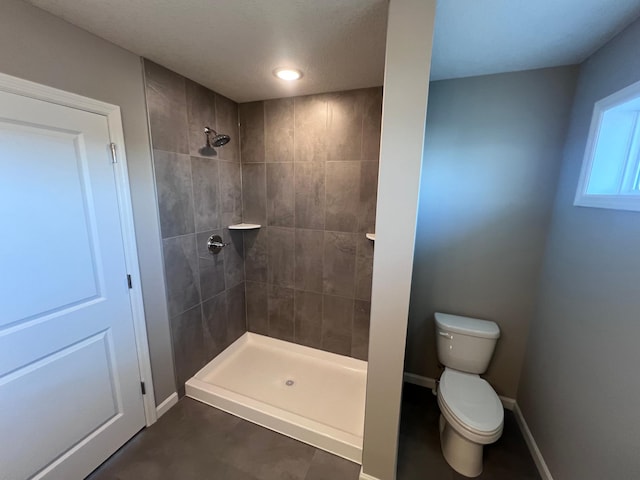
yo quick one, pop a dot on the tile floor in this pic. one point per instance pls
(196, 442)
(419, 450)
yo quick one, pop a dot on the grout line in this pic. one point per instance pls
(355, 299)
(362, 113)
(264, 132)
(324, 238)
(185, 235)
(295, 232)
(186, 310)
(244, 250)
(186, 110)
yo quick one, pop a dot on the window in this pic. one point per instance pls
(610, 176)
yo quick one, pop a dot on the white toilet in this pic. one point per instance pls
(471, 412)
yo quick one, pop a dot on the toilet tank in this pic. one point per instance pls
(465, 344)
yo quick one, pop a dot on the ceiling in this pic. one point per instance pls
(480, 37)
(232, 46)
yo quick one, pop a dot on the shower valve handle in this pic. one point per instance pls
(215, 244)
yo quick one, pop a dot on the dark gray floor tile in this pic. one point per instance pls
(252, 132)
(196, 441)
(210, 266)
(337, 320)
(196, 423)
(414, 459)
(182, 275)
(338, 275)
(181, 445)
(201, 112)
(254, 193)
(189, 351)
(166, 102)
(325, 466)
(278, 130)
(309, 246)
(343, 197)
(310, 194)
(227, 123)
(310, 143)
(236, 313)
(267, 455)
(509, 455)
(308, 318)
(206, 193)
(419, 414)
(175, 193)
(257, 308)
(280, 194)
(419, 448)
(280, 312)
(281, 256)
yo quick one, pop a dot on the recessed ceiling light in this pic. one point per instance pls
(288, 74)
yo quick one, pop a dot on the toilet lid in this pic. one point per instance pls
(472, 400)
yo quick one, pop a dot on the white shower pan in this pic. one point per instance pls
(307, 394)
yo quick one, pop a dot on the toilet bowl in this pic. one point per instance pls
(471, 416)
(471, 412)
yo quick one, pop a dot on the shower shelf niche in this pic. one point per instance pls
(244, 226)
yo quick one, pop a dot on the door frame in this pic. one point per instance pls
(113, 116)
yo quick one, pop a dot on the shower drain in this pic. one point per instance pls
(289, 383)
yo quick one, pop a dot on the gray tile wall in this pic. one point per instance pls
(310, 174)
(199, 194)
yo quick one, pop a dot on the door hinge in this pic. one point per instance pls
(143, 388)
(129, 281)
(114, 157)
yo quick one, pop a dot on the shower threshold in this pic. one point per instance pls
(307, 394)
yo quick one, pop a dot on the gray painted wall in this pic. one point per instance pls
(310, 176)
(199, 195)
(37, 46)
(579, 389)
(493, 148)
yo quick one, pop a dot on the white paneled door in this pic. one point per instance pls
(70, 392)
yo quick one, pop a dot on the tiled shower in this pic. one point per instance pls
(309, 170)
(305, 169)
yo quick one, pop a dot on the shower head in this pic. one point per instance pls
(217, 140)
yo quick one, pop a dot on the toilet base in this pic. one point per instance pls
(464, 456)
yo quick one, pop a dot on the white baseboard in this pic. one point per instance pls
(420, 380)
(507, 403)
(531, 443)
(169, 402)
(364, 476)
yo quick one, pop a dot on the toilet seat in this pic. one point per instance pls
(471, 406)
